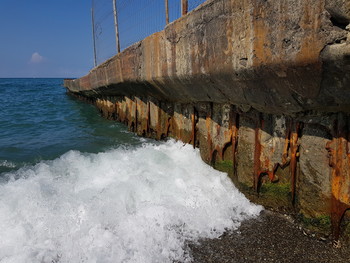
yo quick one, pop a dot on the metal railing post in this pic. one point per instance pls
(116, 26)
(167, 12)
(93, 33)
(184, 7)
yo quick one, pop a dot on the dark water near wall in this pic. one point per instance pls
(75, 187)
(38, 121)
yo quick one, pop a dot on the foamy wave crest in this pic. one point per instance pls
(7, 164)
(139, 205)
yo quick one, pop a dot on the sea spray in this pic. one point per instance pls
(123, 205)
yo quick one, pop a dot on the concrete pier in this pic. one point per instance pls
(262, 87)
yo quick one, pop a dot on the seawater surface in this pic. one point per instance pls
(77, 188)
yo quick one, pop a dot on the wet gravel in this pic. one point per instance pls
(272, 237)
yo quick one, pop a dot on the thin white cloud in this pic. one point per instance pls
(36, 58)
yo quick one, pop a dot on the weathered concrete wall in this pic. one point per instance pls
(267, 54)
(262, 87)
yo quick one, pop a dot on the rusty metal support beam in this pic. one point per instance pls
(234, 138)
(294, 149)
(257, 152)
(193, 136)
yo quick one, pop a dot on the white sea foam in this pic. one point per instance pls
(7, 164)
(138, 205)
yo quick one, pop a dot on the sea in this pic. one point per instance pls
(75, 187)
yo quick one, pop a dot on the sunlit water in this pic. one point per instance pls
(77, 188)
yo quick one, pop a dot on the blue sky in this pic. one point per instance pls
(45, 38)
(53, 38)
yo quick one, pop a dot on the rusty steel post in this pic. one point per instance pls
(193, 136)
(184, 7)
(167, 12)
(257, 152)
(235, 127)
(294, 148)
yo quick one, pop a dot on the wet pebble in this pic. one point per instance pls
(271, 237)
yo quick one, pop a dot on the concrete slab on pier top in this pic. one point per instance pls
(276, 56)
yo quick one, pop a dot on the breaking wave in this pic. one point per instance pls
(123, 205)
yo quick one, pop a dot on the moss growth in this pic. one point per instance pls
(276, 195)
(275, 189)
(321, 223)
(224, 166)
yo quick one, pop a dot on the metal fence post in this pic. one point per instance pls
(116, 25)
(184, 7)
(93, 33)
(167, 11)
